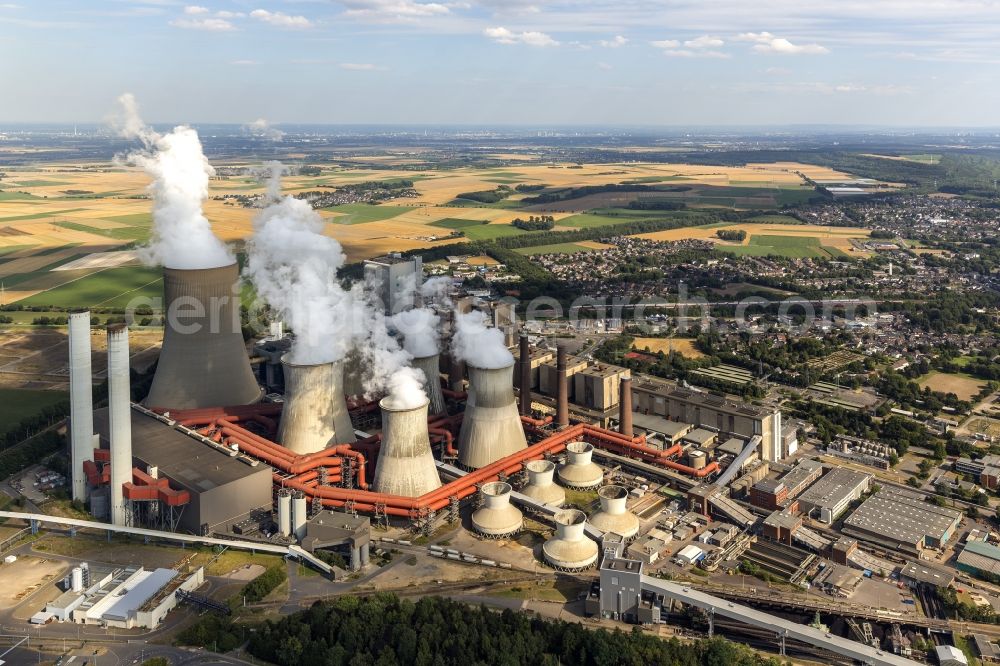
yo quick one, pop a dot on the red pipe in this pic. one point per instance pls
(448, 438)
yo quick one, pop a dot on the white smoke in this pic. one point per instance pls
(435, 290)
(406, 388)
(419, 328)
(182, 236)
(261, 128)
(479, 345)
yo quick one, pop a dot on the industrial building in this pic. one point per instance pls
(917, 573)
(801, 476)
(769, 494)
(833, 493)
(396, 279)
(903, 521)
(979, 559)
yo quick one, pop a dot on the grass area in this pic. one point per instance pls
(16, 404)
(965, 645)
(561, 589)
(134, 219)
(39, 216)
(39, 183)
(114, 287)
(795, 247)
(581, 499)
(469, 203)
(359, 213)
(120, 233)
(491, 231)
(555, 248)
(773, 219)
(230, 560)
(962, 385)
(455, 223)
(590, 220)
(12, 196)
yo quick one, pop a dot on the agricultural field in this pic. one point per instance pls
(800, 240)
(683, 346)
(562, 248)
(17, 404)
(963, 386)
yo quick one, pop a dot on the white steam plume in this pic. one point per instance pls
(262, 128)
(419, 328)
(479, 345)
(182, 236)
(435, 290)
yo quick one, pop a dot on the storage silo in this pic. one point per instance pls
(570, 549)
(697, 458)
(579, 471)
(430, 366)
(491, 426)
(300, 515)
(315, 410)
(540, 486)
(76, 578)
(203, 360)
(497, 518)
(284, 512)
(405, 463)
(613, 515)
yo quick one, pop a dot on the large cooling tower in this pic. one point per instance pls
(491, 427)
(405, 462)
(540, 485)
(613, 516)
(315, 412)
(570, 549)
(497, 518)
(203, 362)
(579, 471)
(430, 366)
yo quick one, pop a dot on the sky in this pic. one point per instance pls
(491, 62)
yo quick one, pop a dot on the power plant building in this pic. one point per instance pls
(396, 279)
(833, 493)
(902, 521)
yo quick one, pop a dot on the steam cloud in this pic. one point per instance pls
(182, 236)
(479, 345)
(420, 331)
(262, 128)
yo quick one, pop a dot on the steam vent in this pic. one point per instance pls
(315, 412)
(540, 485)
(405, 463)
(579, 471)
(491, 427)
(497, 518)
(570, 549)
(613, 516)
(203, 361)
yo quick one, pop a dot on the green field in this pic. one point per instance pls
(455, 223)
(793, 247)
(361, 213)
(773, 219)
(491, 231)
(10, 196)
(121, 233)
(16, 404)
(555, 248)
(469, 203)
(114, 287)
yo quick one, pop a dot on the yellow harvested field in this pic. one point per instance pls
(594, 245)
(838, 237)
(683, 346)
(963, 386)
(482, 260)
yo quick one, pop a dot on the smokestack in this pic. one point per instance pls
(405, 463)
(315, 412)
(81, 401)
(625, 407)
(203, 361)
(570, 549)
(562, 388)
(613, 516)
(525, 365)
(430, 365)
(497, 519)
(119, 417)
(491, 428)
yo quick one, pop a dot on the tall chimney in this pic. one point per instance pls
(625, 407)
(81, 401)
(430, 366)
(562, 388)
(405, 462)
(203, 361)
(491, 428)
(119, 418)
(525, 363)
(315, 411)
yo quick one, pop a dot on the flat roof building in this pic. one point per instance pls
(920, 573)
(979, 557)
(902, 521)
(833, 493)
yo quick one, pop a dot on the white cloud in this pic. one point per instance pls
(243, 63)
(360, 66)
(605, 66)
(701, 47)
(694, 53)
(502, 35)
(207, 24)
(280, 19)
(704, 42)
(666, 44)
(618, 40)
(192, 10)
(765, 42)
(396, 11)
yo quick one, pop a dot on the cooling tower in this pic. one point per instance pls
(570, 549)
(203, 361)
(429, 365)
(540, 486)
(81, 401)
(497, 518)
(354, 381)
(491, 427)
(405, 462)
(119, 418)
(613, 516)
(315, 412)
(579, 471)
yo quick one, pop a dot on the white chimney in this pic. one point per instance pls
(81, 401)
(119, 418)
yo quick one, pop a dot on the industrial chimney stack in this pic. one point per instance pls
(625, 407)
(524, 361)
(491, 427)
(315, 411)
(81, 401)
(562, 388)
(203, 361)
(405, 462)
(119, 417)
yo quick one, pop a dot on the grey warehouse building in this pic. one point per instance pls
(902, 521)
(833, 493)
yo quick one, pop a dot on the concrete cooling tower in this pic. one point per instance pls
(354, 381)
(430, 366)
(405, 462)
(315, 412)
(570, 549)
(579, 471)
(491, 427)
(203, 361)
(497, 518)
(540, 486)
(613, 516)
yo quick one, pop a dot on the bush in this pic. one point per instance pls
(264, 584)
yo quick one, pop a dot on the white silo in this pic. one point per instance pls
(613, 515)
(405, 462)
(300, 515)
(430, 367)
(497, 518)
(284, 513)
(81, 401)
(315, 411)
(540, 484)
(570, 549)
(119, 418)
(491, 426)
(579, 471)
(77, 580)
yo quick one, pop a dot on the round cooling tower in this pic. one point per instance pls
(203, 361)
(430, 366)
(314, 415)
(540, 486)
(570, 549)
(491, 427)
(405, 463)
(613, 516)
(354, 380)
(579, 471)
(497, 518)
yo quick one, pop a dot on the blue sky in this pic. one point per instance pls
(535, 62)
